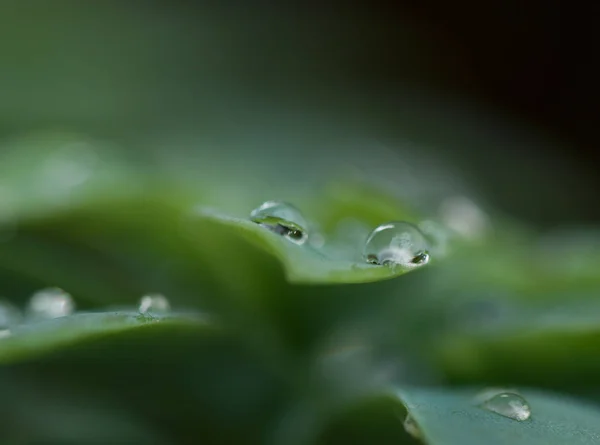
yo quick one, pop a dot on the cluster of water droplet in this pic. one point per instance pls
(54, 302)
(395, 243)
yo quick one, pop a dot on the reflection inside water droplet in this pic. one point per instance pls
(50, 303)
(396, 243)
(411, 427)
(507, 404)
(154, 303)
(283, 219)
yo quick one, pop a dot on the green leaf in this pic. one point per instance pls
(304, 264)
(454, 417)
(176, 372)
(523, 338)
(29, 340)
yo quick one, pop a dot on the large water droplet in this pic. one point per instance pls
(283, 219)
(411, 427)
(508, 404)
(50, 303)
(154, 303)
(396, 243)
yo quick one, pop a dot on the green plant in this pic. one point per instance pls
(270, 341)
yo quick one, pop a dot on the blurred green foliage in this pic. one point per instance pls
(132, 153)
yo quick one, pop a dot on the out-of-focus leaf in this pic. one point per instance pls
(453, 417)
(176, 372)
(30, 340)
(515, 340)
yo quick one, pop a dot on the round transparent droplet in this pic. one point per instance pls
(508, 404)
(411, 427)
(10, 315)
(283, 219)
(50, 303)
(154, 303)
(396, 243)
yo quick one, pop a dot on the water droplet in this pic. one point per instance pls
(411, 427)
(283, 219)
(50, 303)
(9, 315)
(154, 303)
(507, 404)
(396, 243)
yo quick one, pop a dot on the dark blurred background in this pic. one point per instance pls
(519, 69)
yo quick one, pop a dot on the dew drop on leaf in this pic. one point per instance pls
(396, 243)
(283, 219)
(508, 404)
(411, 427)
(154, 303)
(50, 303)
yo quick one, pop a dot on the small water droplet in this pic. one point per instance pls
(508, 404)
(411, 427)
(283, 219)
(154, 303)
(50, 303)
(396, 243)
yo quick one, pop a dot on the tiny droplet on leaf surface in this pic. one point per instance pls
(50, 303)
(154, 303)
